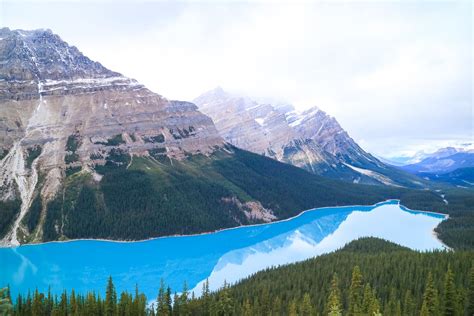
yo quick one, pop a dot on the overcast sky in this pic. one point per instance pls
(397, 75)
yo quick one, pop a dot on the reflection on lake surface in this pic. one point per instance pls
(226, 255)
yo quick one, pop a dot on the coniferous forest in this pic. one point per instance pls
(367, 277)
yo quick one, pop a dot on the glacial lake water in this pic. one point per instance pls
(225, 255)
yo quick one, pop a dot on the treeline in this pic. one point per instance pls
(367, 277)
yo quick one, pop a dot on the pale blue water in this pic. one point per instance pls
(226, 255)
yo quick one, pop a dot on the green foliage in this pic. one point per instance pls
(470, 293)
(110, 299)
(32, 153)
(396, 282)
(9, 210)
(458, 231)
(73, 142)
(70, 158)
(3, 153)
(89, 304)
(355, 293)
(430, 305)
(334, 305)
(72, 170)
(32, 218)
(154, 139)
(157, 153)
(115, 140)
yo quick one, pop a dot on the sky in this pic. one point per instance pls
(397, 75)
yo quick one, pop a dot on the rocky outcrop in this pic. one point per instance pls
(61, 112)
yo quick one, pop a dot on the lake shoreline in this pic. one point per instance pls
(446, 216)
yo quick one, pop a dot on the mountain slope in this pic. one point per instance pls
(89, 153)
(442, 163)
(61, 113)
(310, 139)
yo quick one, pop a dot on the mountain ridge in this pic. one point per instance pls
(310, 139)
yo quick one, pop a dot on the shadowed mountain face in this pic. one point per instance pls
(310, 139)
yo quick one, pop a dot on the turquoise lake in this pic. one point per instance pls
(225, 255)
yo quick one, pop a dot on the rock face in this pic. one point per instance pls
(61, 112)
(310, 139)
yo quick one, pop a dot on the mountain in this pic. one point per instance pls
(89, 153)
(462, 177)
(410, 159)
(443, 161)
(310, 139)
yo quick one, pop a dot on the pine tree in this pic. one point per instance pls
(450, 294)
(73, 304)
(162, 309)
(184, 301)
(37, 306)
(367, 299)
(224, 305)
(110, 298)
(470, 292)
(206, 298)
(333, 305)
(430, 298)
(306, 306)
(247, 308)
(355, 293)
(292, 310)
(408, 304)
(276, 307)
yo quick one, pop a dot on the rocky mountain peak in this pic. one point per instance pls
(310, 139)
(42, 55)
(62, 113)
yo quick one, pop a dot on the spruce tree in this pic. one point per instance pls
(450, 294)
(367, 299)
(162, 309)
(292, 309)
(355, 293)
(247, 308)
(184, 301)
(110, 298)
(306, 306)
(224, 305)
(333, 305)
(430, 298)
(470, 292)
(408, 304)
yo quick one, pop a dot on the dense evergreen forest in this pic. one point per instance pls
(156, 197)
(367, 277)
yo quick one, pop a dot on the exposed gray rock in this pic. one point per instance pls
(310, 139)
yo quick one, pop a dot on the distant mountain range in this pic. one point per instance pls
(309, 139)
(448, 165)
(86, 152)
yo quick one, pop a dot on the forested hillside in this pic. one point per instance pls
(367, 277)
(162, 197)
